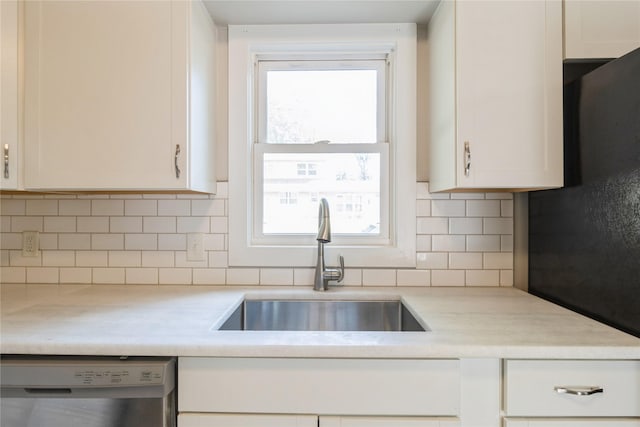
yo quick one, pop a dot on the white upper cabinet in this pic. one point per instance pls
(600, 28)
(496, 96)
(119, 96)
(9, 95)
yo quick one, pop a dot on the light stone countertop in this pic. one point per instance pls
(181, 321)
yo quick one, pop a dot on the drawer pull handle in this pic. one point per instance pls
(579, 390)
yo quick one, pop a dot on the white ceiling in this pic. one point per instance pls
(225, 12)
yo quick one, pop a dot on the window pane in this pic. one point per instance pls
(306, 106)
(349, 181)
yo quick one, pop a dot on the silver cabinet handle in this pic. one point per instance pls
(467, 159)
(6, 161)
(579, 390)
(176, 160)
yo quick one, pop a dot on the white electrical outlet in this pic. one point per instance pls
(195, 247)
(30, 243)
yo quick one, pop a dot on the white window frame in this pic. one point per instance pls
(247, 43)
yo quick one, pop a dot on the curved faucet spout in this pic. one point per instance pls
(324, 222)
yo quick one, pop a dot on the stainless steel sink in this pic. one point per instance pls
(322, 315)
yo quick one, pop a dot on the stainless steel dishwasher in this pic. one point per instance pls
(88, 392)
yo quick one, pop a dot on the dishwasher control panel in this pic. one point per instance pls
(114, 375)
(75, 372)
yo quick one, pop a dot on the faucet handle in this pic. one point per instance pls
(341, 269)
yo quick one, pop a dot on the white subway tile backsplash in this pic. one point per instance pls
(378, 277)
(182, 262)
(483, 243)
(219, 224)
(141, 276)
(498, 260)
(107, 207)
(75, 275)
(209, 276)
(42, 207)
(125, 224)
(214, 242)
(447, 278)
(135, 241)
(42, 275)
(483, 208)
(462, 239)
(141, 207)
(60, 224)
(210, 207)
(48, 241)
(303, 276)
(107, 241)
(125, 259)
(465, 261)
(174, 207)
(448, 208)
(498, 225)
(218, 259)
(432, 260)
(174, 276)
(77, 241)
(423, 243)
(93, 224)
(243, 276)
(152, 224)
(17, 260)
(465, 225)
(172, 242)
(26, 223)
(194, 224)
(352, 277)
(158, 259)
(92, 258)
(432, 225)
(483, 278)
(13, 275)
(423, 208)
(506, 208)
(413, 278)
(74, 207)
(506, 277)
(448, 243)
(276, 276)
(12, 207)
(58, 258)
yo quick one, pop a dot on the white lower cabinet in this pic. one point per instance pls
(251, 420)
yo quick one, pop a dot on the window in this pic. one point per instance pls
(322, 111)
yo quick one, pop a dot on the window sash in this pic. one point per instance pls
(259, 238)
(264, 65)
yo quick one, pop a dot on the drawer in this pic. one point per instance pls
(531, 388)
(319, 386)
(583, 422)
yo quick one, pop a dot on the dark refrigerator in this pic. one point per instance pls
(584, 239)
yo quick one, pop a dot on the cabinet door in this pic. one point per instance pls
(105, 94)
(337, 421)
(509, 94)
(9, 85)
(600, 28)
(243, 420)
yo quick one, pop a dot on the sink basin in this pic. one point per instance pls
(322, 315)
